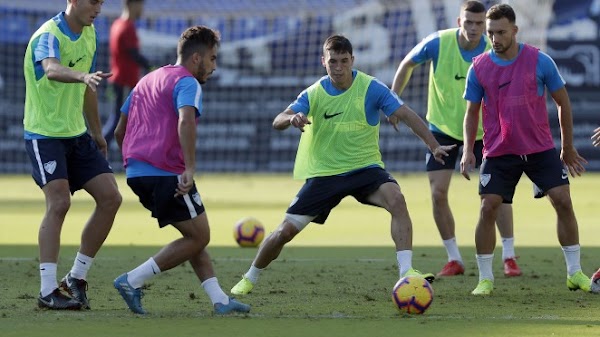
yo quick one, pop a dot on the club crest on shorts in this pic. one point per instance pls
(50, 166)
(484, 179)
(196, 198)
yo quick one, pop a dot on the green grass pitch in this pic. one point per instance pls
(333, 280)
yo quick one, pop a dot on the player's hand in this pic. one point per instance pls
(442, 151)
(467, 163)
(101, 144)
(596, 137)
(573, 161)
(92, 80)
(299, 121)
(185, 183)
(394, 120)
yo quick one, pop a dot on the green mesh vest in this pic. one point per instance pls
(52, 108)
(339, 139)
(445, 104)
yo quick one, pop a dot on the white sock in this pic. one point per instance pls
(81, 266)
(144, 271)
(484, 263)
(572, 259)
(48, 278)
(404, 258)
(508, 248)
(452, 250)
(252, 274)
(214, 291)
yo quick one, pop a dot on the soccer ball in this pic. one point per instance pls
(412, 295)
(248, 232)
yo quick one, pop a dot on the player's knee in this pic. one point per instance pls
(58, 206)
(110, 202)
(439, 196)
(284, 233)
(397, 205)
(489, 208)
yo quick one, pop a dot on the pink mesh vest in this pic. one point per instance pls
(152, 135)
(515, 118)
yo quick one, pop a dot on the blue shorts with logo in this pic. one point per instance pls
(76, 159)
(320, 195)
(500, 175)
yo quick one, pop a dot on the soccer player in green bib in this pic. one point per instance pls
(67, 156)
(339, 156)
(451, 52)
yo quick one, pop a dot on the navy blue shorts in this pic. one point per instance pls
(76, 159)
(157, 195)
(450, 161)
(320, 195)
(500, 175)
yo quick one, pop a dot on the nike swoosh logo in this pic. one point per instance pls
(458, 78)
(332, 115)
(154, 271)
(503, 85)
(81, 261)
(48, 303)
(72, 64)
(565, 176)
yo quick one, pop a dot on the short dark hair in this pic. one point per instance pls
(337, 43)
(197, 39)
(500, 11)
(473, 7)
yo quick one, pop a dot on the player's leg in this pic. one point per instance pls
(58, 201)
(186, 213)
(270, 249)
(568, 236)
(382, 190)
(504, 222)
(439, 183)
(49, 171)
(317, 196)
(547, 172)
(223, 304)
(89, 170)
(497, 181)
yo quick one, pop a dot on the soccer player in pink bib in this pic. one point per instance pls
(509, 83)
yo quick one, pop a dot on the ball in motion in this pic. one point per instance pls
(248, 232)
(412, 295)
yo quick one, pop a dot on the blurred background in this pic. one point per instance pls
(271, 51)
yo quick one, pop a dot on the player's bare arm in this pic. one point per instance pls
(470, 125)
(187, 137)
(417, 125)
(92, 117)
(57, 72)
(568, 154)
(289, 117)
(403, 74)
(120, 130)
